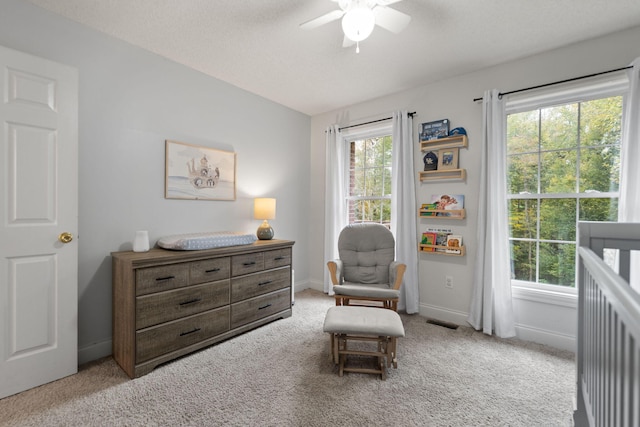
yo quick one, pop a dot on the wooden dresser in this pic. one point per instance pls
(170, 303)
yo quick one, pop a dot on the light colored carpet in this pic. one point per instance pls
(280, 375)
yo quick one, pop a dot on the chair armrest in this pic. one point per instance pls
(335, 268)
(396, 274)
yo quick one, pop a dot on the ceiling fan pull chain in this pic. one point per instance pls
(357, 47)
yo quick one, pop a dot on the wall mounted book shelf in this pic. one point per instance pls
(441, 250)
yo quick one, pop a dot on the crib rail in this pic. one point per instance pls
(608, 353)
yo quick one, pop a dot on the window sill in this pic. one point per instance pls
(524, 291)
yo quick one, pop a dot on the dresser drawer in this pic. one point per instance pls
(163, 278)
(209, 270)
(278, 258)
(161, 339)
(256, 308)
(164, 306)
(245, 264)
(256, 284)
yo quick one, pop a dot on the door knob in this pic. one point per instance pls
(65, 237)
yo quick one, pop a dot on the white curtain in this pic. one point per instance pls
(629, 203)
(335, 208)
(491, 306)
(403, 208)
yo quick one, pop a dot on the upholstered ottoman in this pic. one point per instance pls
(353, 323)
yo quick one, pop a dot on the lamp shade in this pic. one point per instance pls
(264, 208)
(358, 23)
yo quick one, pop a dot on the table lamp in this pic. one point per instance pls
(264, 208)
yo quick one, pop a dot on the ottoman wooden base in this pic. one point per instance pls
(351, 323)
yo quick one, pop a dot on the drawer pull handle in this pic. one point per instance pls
(278, 258)
(189, 332)
(191, 301)
(247, 264)
(160, 279)
(266, 282)
(213, 270)
(264, 306)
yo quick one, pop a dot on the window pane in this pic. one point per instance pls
(357, 154)
(600, 121)
(558, 172)
(557, 264)
(387, 182)
(522, 132)
(357, 183)
(387, 150)
(559, 127)
(385, 212)
(373, 152)
(558, 219)
(523, 174)
(599, 210)
(523, 218)
(599, 169)
(523, 260)
(370, 213)
(358, 211)
(373, 182)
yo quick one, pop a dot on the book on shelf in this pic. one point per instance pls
(448, 202)
(441, 237)
(425, 209)
(434, 130)
(454, 243)
(428, 238)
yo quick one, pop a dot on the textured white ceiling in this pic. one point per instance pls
(257, 45)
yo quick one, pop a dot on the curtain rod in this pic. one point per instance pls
(558, 82)
(373, 121)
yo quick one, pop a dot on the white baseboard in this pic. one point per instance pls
(312, 284)
(441, 313)
(546, 337)
(94, 351)
(523, 332)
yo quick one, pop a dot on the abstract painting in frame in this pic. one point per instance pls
(195, 172)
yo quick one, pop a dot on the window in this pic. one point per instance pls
(369, 197)
(563, 166)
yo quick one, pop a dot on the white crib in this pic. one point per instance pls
(608, 352)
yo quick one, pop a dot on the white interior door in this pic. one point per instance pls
(39, 202)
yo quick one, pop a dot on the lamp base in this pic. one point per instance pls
(265, 232)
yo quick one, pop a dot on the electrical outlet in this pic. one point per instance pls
(448, 282)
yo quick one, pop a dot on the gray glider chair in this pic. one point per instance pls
(366, 271)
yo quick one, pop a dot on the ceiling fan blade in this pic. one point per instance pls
(346, 42)
(387, 2)
(391, 19)
(321, 20)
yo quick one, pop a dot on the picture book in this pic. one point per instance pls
(428, 238)
(435, 129)
(454, 242)
(425, 209)
(452, 202)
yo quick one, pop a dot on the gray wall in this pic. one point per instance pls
(542, 318)
(130, 101)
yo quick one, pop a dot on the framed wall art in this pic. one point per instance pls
(448, 158)
(199, 173)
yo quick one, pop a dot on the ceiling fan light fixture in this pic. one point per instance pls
(358, 23)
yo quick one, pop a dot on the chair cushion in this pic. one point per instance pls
(363, 320)
(353, 290)
(366, 251)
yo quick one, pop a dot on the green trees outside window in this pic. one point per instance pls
(370, 180)
(563, 166)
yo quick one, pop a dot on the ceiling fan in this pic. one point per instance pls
(359, 17)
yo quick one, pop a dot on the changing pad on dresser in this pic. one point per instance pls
(206, 240)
